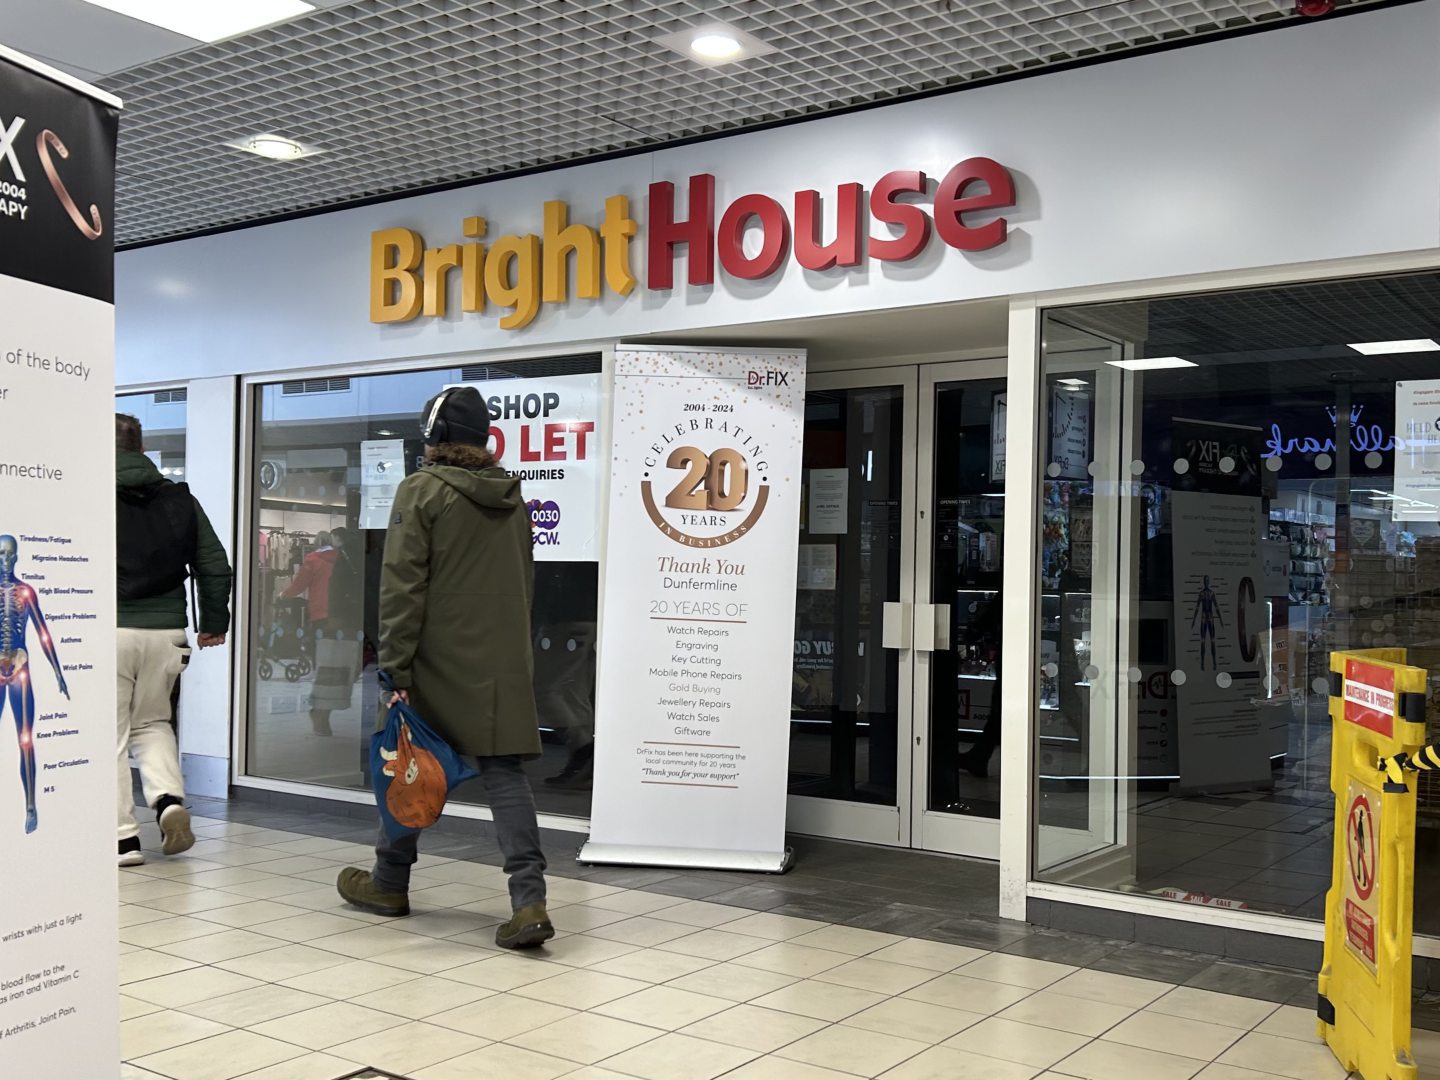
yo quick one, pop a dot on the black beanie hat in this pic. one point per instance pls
(463, 417)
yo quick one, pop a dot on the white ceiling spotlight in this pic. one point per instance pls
(1153, 363)
(713, 44)
(208, 20)
(1409, 345)
(275, 147)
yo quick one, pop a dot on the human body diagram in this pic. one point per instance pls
(19, 610)
(1207, 614)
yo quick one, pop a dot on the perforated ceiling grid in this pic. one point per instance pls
(407, 94)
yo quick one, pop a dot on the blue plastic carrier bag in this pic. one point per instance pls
(412, 769)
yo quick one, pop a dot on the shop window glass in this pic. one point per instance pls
(1215, 523)
(162, 417)
(324, 451)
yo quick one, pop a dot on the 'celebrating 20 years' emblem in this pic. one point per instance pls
(714, 466)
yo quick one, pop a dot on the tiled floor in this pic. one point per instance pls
(238, 960)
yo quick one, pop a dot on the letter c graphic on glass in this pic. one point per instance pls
(43, 143)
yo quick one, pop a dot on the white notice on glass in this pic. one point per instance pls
(997, 439)
(1417, 450)
(829, 511)
(817, 567)
(382, 467)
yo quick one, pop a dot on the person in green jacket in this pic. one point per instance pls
(162, 536)
(455, 596)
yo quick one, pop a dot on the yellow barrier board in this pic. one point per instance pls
(1377, 711)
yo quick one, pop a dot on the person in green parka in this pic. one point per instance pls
(455, 596)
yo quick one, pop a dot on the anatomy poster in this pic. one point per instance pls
(58, 975)
(1220, 622)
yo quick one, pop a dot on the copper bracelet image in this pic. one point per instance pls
(43, 142)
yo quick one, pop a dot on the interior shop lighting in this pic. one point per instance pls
(1381, 348)
(1153, 363)
(207, 20)
(1073, 384)
(275, 147)
(713, 44)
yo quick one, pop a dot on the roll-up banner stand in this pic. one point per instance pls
(698, 612)
(58, 962)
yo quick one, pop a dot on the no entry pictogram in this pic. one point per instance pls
(1360, 843)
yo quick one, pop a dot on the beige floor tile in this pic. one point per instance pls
(445, 923)
(309, 1067)
(945, 1063)
(1233, 1072)
(314, 845)
(223, 1057)
(652, 965)
(227, 877)
(790, 958)
(161, 1030)
(179, 868)
(930, 955)
(506, 972)
(226, 945)
(663, 1007)
(867, 1053)
(364, 942)
(822, 1001)
(577, 918)
(1023, 1044)
(423, 998)
(296, 865)
(1016, 971)
(149, 965)
(121, 948)
(306, 927)
(585, 1038)
(166, 931)
(595, 1072)
(1291, 1023)
(702, 914)
(763, 924)
(583, 951)
(265, 886)
(196, 901)
(329, 1025)
(189, 986)
(733, 982)
(130, 1008)
(580, 989)
(634, 902)
(642, 930)
(410, 1047)
(1425, 1049)
(955, 991)
(1114, 1061)
(574, 891)
(848, 939)
(774, 1068)
(151, 890)
(1075, 1015)
(431, 956)
(479, 875)
(1284, 1057)
(451, 894)
(718, 945)
(498, 907)
(253, 913)
(138, 915)
(350, 980)
(283, 963)
(1227, 1009)
(878, 975)
(1116, 989)
(754, 1028)
(679, 1057)
(916, 1020)
(251, 1007)
(1175, 1035)
(501, 1016)
(500, 1061)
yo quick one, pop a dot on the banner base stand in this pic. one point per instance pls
(675, 858)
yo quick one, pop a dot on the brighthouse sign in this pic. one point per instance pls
(516, 274)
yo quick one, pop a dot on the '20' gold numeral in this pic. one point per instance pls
(718, 481)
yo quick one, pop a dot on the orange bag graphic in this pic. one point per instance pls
(416, 793)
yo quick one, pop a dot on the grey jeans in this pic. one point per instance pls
(513, 804)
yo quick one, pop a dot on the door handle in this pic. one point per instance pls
(932, 627)
(895, 625)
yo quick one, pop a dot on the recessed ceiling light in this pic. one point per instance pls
(275, 147)
(1153, 363)
(713, 44)
(1379, 348)
(1074, 384)
(208, 20)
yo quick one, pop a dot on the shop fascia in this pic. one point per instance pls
(520, 273)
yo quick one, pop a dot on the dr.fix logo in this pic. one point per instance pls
(768, 377)
(8, 133)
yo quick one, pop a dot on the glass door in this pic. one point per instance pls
(850, 715)
(957, 625)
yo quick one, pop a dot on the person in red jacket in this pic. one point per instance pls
(313, 582)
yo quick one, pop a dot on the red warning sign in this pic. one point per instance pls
(1362, 872)
(1370, 696)
(1360, 838)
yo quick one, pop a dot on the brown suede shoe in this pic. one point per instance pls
(528, 928)
(358, 889)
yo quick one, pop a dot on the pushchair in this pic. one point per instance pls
(287, 641)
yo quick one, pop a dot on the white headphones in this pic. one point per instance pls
(434, 416)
